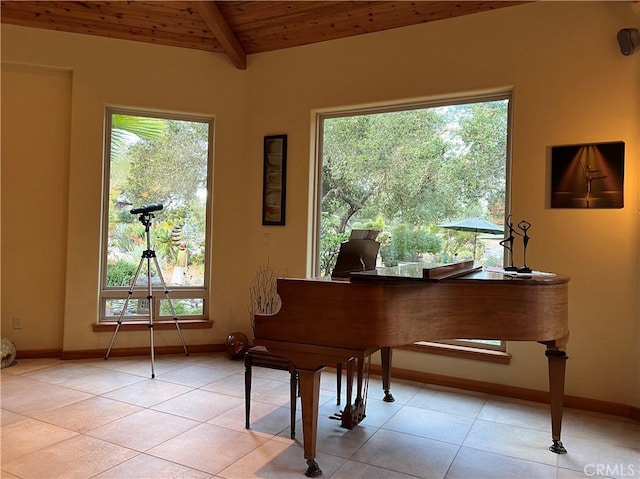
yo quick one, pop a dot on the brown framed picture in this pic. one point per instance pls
(588, 175)
(274, 180)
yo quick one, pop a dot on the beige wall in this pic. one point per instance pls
(570, 84)
(35, 180)
(116, 73)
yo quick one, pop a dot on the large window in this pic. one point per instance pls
(156, 159)
(407, 171)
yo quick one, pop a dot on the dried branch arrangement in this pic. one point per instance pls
(263, 296)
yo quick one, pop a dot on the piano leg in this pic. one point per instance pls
(310, 394)
(385, 356)
(557, 364)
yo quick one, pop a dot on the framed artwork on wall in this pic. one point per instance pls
(588, 175)
(274, 180)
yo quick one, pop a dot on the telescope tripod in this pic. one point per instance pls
(148, 255)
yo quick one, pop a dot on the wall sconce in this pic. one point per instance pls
(629, 41)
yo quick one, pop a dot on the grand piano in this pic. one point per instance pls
(325, 321)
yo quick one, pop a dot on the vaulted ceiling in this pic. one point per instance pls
(236, 28)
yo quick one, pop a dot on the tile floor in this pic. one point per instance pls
(108, 420)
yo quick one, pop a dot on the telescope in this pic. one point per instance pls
(147, 209)
(148, 255)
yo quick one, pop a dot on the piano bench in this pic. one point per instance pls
(260, 357)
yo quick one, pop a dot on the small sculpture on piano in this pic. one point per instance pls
(507, 243)
(524, 227)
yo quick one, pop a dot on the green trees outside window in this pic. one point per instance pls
(404, 172)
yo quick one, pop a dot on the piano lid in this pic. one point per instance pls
(418, 271)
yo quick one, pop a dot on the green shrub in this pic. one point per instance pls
(121, 273)
(179, 308)
(409, 244)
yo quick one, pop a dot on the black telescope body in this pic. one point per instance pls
(147, 208)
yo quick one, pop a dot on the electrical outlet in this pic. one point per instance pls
(17, 323)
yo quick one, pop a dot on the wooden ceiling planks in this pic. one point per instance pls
(284, 26)
(166, 23)
(266, 26)
(257, 26)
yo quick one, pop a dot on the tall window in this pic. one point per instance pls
(407, 171)
(156, 159)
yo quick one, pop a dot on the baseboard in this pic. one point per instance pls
(119, 352)
(38, 353)
(586, 404)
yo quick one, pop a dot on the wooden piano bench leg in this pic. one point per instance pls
(247, 390)
(261, 358)
(338, 382)
(293, 392)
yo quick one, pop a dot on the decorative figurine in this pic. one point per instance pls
(507, 243)
(524, 227)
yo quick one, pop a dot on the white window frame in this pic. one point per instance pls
(176, 293)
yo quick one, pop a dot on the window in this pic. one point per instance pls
(408, 169)
(156, 159)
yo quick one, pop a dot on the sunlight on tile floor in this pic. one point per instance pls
(109, 420)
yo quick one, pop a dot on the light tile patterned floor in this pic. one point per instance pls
(109, 420)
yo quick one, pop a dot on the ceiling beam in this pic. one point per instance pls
(219, 27)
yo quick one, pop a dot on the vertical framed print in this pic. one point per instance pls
(274, 180)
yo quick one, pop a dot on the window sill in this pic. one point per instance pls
(157, 325)
(456, 351)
